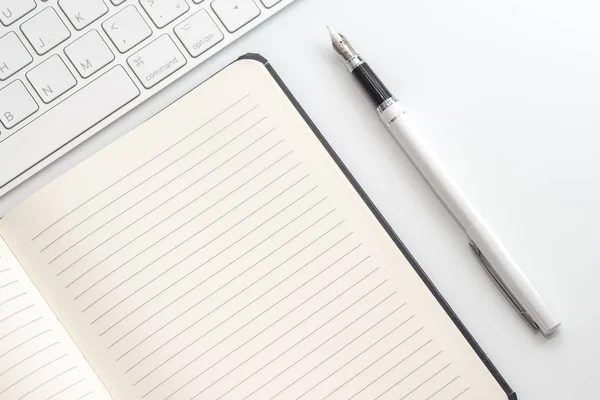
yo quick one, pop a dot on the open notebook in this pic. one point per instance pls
(222, 251)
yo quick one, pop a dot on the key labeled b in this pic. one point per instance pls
(16, 104)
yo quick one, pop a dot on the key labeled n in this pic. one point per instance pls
(47, 90)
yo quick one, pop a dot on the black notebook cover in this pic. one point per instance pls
(511, 395)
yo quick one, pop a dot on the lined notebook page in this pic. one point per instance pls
(38, 360)
(217, 252)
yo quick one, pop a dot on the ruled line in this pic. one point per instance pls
(282, 335)
(29, 357)
(199, 284)
(16, 313)
(460, 394)
(66, 388)
(176, 299)
(46, 382)
(12, 298)
(205, 262)
(361, 353)
(443, 387)
(215, 238)
(141, 166)
(27, 341)
(168, 217)
(8, 284)
(177, 194)
(19, 328)
(313, 332)
(31, 373)
(197, 215)
(237, 294)
(200, 266)
(401, 380)
(263, 312)
(346, 346)
(301, 340)
(419, 386)
(144, 181)
(165, 185)
(189, 220)
(247, 305)
(325, 342)
(256, 281)
(376, 361)
(194, 270)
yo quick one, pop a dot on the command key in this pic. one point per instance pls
(156, 61)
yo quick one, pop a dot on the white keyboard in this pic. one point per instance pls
(70, 67)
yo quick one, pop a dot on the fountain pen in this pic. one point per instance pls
(488, 249)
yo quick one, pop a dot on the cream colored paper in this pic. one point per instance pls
(218, 252)
(38, 359)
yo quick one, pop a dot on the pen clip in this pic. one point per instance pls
(515, 302)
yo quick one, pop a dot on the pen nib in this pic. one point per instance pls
(341, 45)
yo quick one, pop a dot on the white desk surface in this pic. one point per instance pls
(507, 92)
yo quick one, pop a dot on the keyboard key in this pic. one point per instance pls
(270, 3)
(70, 118)
(16, 104)
(163, 12)
(45, 31)
(234, 14)
(126, 29)
(12, 10)
(117, 2)
(156, 61)
(13, 55)
(81, 13)
(51, 78)
(198, 33)
(89, 53)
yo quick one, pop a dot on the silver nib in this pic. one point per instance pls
(341, 45)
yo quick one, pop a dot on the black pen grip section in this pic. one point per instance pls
(375, 89)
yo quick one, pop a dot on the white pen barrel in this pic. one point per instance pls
(513, 276)
(429, 166)
(505, 267)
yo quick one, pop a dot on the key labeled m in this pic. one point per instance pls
(87, 65)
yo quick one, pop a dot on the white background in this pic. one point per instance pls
(507, 92)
